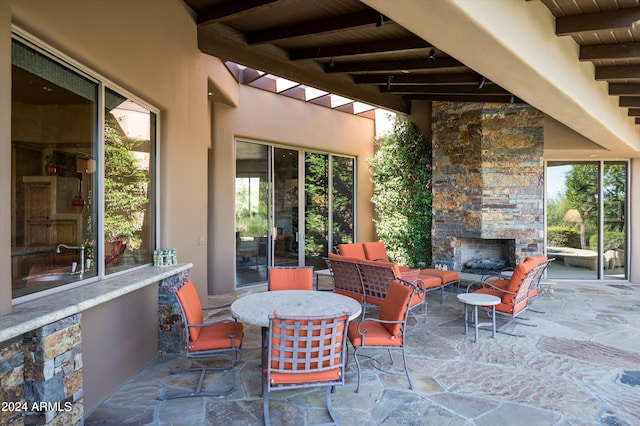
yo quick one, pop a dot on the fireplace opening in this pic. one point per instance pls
(479, 256)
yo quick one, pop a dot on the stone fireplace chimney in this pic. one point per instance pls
(488, 192)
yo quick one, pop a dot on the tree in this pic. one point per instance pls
(401, 176)
(125, 187)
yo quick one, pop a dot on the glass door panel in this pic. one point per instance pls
(572, 220)
(285, 207)
(614, 223)
(342, 207)
(316, 241)
(251, 210)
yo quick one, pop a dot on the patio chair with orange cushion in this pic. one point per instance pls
(212, 339)
(514, 292)
(378, 276)
(388, 330)
(305, 352)
(346, 276)
(290, 278)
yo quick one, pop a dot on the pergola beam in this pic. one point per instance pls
(230, 9)
(305, 29)
(611, 20)
(324, 52)
(610, 51)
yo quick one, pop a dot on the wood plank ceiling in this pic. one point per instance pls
(347, 48)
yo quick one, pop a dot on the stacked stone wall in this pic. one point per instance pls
(487, 177)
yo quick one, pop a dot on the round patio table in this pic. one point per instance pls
(475, 300)
(255, 308)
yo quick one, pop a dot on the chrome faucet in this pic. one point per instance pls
(80, 248)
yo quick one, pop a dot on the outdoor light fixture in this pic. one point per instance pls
(389, 78)
(332, 64)
(432, 55)
(481, 83)
(512, 100)
(379, 20)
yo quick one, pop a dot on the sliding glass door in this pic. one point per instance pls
(586, 219)
(286, 203)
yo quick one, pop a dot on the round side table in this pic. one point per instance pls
(475, 300)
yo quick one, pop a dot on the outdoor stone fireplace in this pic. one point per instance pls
(488, 191)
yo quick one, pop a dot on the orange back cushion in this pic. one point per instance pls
(349, 259)
(375, 251)
(290, 278)
(519, 273)
(394, 306)
(355, 250)
(190, 302)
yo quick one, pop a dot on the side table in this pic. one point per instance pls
(475, 300)
(319, 272)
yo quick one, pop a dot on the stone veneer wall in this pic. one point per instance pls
(487, 177)
(171, 334)
(41, 370)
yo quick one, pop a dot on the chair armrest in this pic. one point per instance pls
(217, 307)
(364, 332)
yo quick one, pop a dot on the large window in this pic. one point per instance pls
(82, 162)
(277, 191)
(586, 219)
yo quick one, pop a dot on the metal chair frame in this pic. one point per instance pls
(232, 353)
(521, 298)
(363, 331)
(313, 346)
(376, 279)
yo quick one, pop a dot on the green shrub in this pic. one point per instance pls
(401, 177)
(563, 236)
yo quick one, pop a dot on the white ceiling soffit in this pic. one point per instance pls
(514, 44)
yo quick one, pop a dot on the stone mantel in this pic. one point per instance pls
(37, 313)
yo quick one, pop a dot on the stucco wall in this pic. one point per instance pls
(260, 118)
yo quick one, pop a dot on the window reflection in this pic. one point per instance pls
(53, 134)
(128, 140)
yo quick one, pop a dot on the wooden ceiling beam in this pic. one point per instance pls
(634, 112)
(335, 23)
(610, 51)
(440, 89)
(502, 99)
(230, 9)
(223, 43)
(624, 88)
(391, 66)
(470, 78)
(618, 72)
(335, 51)
(629, 101)
(610, 20)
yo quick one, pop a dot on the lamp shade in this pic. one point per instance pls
(572, 215)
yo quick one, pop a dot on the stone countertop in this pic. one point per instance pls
(36, 313)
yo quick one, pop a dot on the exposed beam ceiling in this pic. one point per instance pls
(369, 50)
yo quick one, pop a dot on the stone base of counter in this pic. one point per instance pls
(171, 332)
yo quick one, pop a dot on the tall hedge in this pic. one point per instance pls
(401, 174)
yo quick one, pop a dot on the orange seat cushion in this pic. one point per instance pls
(355, 250)
(316, 376)
(518, 275)
(377, 335)
(347, 258)
(375, 251)
(444, 276)
(430, 281)
(217, 337)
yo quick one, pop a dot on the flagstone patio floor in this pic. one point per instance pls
(579, 364)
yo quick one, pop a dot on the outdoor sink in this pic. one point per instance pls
(55, 276)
